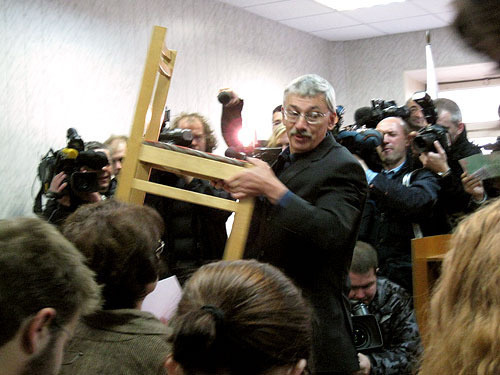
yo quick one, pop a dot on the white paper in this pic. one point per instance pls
(162, 302)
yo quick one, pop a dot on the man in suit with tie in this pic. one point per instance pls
(307, 216)
(399, 198)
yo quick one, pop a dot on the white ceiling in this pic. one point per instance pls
(329, 24)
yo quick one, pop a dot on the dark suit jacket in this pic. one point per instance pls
(311, 238)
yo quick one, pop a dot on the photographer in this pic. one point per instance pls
(392, 308)
(399, 199)
(452, 198)
(64, 200)
(416, 120)
(196, 234)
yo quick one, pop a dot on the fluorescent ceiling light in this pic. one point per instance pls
(354, 4)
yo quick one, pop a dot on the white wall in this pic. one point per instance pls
(69, 63)
(375, 67)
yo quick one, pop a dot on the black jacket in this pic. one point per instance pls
(194, 234)
(311, 239)
(452, 198)
(392, 307)
(390, 211)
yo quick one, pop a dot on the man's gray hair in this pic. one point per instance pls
(311, 85)
(450, 106)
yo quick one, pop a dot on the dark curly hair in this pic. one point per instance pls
(119, 242)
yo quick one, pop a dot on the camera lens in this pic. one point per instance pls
(361, 337)
(424, 143)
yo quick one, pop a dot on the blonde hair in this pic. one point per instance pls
(277, 133)
(464, 329)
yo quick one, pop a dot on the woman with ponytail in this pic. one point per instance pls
(240, 318)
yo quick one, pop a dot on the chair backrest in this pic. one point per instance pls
(427, 255)
(145, 153)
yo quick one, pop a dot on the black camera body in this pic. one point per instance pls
(70, 160)
(178, 137)
(380, 110)
(424, 141)
(366, 331)
(425, 102)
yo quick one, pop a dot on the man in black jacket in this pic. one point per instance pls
(195, 234)
(452, 198)
(307, 215)
(63, 200)
(399, 199)
(392, 307)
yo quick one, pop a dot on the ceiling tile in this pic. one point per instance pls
(282, 10)
(348, 33)
(405, 25)
(320, 22)
(385, 12)
(434, 6)
(312, 17)
(246, 3)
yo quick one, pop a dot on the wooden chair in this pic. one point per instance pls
(145, 153)
(427, 255)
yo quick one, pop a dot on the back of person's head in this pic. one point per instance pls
(477, 23)
(119, 241)
(311, 85)
(240, 317)
(464, 321)
(40, 269)
(364, 258)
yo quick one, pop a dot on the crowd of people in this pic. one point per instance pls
(330, 234)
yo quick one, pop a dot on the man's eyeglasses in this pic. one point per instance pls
(312, 118)
(159, 249)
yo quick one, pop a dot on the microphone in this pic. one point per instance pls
(224, 97)
(232, 153)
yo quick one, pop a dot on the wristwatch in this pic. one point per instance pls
(444, 174)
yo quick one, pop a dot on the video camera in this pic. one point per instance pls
(70, 160)
(366, 331)
(361, 138)
(424, 141)
(178, 137)
(380, 110)
(362, 142)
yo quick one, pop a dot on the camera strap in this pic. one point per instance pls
(417, 231)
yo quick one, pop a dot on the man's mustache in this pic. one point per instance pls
(302, 133)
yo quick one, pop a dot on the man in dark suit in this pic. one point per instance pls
(307, 216)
